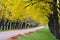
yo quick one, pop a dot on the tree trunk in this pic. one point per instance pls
(53, 21)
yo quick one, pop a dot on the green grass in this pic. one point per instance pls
(43, 34)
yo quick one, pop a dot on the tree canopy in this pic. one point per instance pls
(23, 9)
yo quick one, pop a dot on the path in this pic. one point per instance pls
(8, 34)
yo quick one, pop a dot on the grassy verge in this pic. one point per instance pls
(43, 34)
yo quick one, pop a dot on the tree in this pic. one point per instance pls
(53, 20)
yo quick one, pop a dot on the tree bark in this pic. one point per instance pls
(53, 21)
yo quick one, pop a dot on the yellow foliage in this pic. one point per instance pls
(36, 11)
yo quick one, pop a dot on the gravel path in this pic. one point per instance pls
(8, 34)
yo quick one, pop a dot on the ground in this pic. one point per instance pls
(43, 34)
(13, 34)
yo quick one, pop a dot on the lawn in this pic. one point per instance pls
(43, 34)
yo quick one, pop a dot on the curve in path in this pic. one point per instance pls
(8, 34)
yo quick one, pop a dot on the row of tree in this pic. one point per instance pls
(8, 25)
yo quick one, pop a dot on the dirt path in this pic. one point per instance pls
(8, 34)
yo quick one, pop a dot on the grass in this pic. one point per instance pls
(43, 34)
